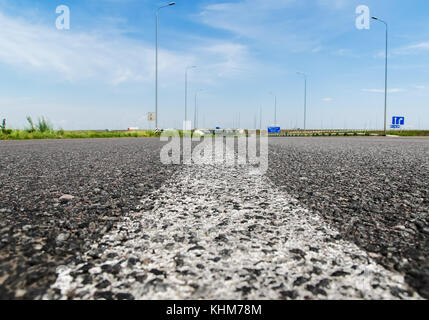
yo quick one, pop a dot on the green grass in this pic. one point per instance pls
(351, 133)
(49, 133)
(61, 134)
(410, 133)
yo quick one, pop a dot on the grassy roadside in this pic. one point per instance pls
(351, 133)
(60, 134)
(410, 133)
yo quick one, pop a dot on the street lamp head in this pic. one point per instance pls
(167, 5)
(379, 20)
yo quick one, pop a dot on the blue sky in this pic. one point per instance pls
(100, 73)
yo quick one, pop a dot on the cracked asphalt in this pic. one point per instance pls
(334, 218)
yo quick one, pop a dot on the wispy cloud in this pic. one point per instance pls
(395, 90)
(334, 4)
(73, 56)
(230, 57)
(230, 16)
(348, 53)
(327, 99)
(415, 48)
(266, 21)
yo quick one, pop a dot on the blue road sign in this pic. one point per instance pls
(397, 122)
(274, 130)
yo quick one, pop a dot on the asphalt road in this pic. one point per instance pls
(333, 218)
(375, 191)
(38, 232)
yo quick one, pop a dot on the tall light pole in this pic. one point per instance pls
(275, 108)
(156, 61)
(305, 98)
(385, 74)
(186, 91)
(196, 109)
(255, 126)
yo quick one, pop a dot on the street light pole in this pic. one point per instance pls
(196, 109)
(186, 91)
(305, 99)
(385, 74)
(275, 108)
(156, 61)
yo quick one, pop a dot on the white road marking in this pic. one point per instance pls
(216, 232)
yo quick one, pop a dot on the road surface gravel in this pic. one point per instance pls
(38, 231)
(219, 232)
(334, 218)
(374, 191)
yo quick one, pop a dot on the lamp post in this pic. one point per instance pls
(196, 109)
(186, 91)
(275, 108)
(385, 74)
(156, 61)
(305, 99)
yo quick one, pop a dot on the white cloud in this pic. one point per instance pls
(395, 90)
(346, 53)
(72, 56)
(262, 21)
(420, 46)
(281, 23)
(233, 58)
(413, 48)
(327, 99)
(334, 4)
(75, 56)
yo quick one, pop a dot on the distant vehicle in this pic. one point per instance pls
(204, 132)
(230, 132)
(133, 129)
